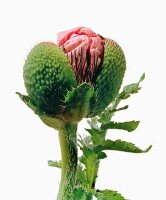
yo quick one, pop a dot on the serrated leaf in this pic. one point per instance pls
(119, 109)
(79, 193)
(142, 77)
(97, 136)
(106, 116)
(108, 113)
(88, 155)
(77, 101)
(101, 155)
(131, 89)
(52, 163)
(109, 195)
(81, 178)
(127, 126)
(93, 122)
(120, 145)
(85, 141)
(91, 161)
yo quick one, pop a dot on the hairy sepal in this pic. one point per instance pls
(109, 77)
(48, 76)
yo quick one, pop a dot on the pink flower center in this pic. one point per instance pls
(84, 49)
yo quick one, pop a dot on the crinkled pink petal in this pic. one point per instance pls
(75, 42)
(85, 49)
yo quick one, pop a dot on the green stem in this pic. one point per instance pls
(68, 144)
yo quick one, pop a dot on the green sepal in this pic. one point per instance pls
(124, 146)
(109, 77)
(127, 126)
(77, 102)
(108, 195)
(48, 76)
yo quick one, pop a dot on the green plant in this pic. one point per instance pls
(84, 83)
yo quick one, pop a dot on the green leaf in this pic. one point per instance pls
(105, 116)
(81, 178)
(52, 163)
(85, 142)
(119, 109)
(101, 155)
(93, 122)
(77, 101)
(131, 89)
(79, 193)
(127, 126)
(142, 77)
(91, 161)
(119, 145)
(109, 195)
(97, 136)
(108, 113)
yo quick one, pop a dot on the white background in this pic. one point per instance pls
(26, 144)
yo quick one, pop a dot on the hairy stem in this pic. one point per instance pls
(68, 144)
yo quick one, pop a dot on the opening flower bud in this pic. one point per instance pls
(77, 78)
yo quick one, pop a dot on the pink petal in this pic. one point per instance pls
(84, 49)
